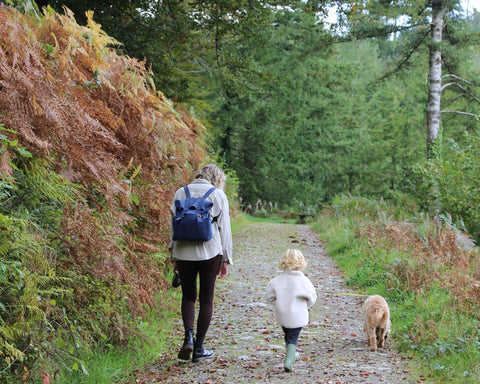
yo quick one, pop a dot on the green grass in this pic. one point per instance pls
(427, 325)
(444, 341)
(115, 365)
(239, 221)
(243, 219)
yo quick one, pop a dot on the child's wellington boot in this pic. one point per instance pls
(290, 357)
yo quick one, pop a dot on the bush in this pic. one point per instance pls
(451, 186)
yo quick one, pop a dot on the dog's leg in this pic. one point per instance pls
(365, 329)
(381, 337)
(372, 338)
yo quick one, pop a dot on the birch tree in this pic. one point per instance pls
(435, 67)
(427, 22)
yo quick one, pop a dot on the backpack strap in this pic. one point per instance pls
(187, 192)
(209, 192)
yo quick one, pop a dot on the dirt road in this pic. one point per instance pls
(247, 341)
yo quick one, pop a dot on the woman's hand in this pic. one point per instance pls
(223, 270)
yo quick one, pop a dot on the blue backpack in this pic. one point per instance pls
(192, 220)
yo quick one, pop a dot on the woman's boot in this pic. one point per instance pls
(290, 357)
(187, 348)
(200, 354)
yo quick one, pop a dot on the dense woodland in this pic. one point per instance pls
(107, 107)
(300, 108)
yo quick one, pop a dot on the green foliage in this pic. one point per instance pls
(450, 186)
(50, 315)
(298, 118)
(35, 291)
(316, 123)
(152, 337)
(25, 6)
(184, 43)
(28, 283)
(6, 145)
(27, 276)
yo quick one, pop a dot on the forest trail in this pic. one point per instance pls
(247, 341)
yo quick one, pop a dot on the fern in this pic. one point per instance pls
(27, 282)
(81, 247)
(29, 216)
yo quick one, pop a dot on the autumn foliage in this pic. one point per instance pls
(417, 253)
(95, 120)
(440, 257)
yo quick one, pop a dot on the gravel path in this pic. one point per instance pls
(247, 341)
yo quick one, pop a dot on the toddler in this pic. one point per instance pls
(292, 294)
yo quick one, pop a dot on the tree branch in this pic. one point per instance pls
(461, 79)
(462, 88)
(461, 113)
(406, 58)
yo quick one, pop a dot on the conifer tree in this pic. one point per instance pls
(433, 23)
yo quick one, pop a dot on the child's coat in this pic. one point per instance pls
(292, 294)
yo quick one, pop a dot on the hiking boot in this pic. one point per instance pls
(201, 354)
(187, 348)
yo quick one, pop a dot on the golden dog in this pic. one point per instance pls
(377, 321)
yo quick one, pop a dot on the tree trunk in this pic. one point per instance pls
(435, 85)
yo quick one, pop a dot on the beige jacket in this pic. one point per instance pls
(292, 294)
(221, 242)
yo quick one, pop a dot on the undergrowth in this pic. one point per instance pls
(153, 336)
(428, 271)
(90, 157)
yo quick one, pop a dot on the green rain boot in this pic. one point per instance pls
(290, 357)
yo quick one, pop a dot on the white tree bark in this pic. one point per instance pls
(435, 84)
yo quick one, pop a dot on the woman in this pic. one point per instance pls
(206, 259)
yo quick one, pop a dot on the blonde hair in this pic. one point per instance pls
(213, 174)
(292, 260)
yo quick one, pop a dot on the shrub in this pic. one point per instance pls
(451, 185)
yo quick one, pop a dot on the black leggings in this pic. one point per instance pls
(291, 335)
(208, 271)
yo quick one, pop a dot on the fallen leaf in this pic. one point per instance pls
(46, 377)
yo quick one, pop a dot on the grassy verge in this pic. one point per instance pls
(430, 282)
(242, 219)
(152, 337)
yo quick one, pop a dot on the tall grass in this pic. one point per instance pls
(428, 276)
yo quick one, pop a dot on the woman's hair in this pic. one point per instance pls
(292, 260)
(213, 174)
